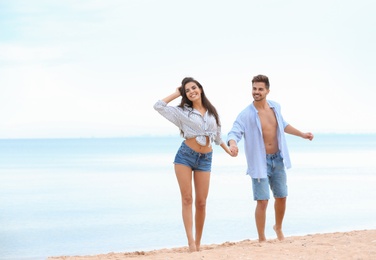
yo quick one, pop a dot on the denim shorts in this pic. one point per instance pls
(196, 161)
(277, 179)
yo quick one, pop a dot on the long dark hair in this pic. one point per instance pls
(205, 101)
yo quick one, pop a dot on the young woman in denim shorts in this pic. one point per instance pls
(199, 125)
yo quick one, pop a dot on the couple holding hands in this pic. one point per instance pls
(263, 128)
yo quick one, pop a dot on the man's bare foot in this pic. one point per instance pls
(279, 233)
(197, 247)
(192, 247)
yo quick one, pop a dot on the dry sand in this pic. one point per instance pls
(340, 245)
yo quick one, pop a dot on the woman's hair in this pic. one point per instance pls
(205, 101)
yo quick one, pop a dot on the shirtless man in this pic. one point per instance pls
(263, 127)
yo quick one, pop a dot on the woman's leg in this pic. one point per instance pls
(184, 177)
(201, 181)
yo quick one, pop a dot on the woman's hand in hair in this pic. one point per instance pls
(179, 90)
(173, 96)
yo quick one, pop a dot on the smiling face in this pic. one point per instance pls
(192, 91)
(259, 91)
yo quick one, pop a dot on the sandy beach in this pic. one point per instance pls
(360, 244)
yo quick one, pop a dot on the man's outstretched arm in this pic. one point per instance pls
(289, 129)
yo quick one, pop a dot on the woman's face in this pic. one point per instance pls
(192, 91)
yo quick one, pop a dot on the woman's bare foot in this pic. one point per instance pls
(262, 240)
(192, 247)
(279, 233)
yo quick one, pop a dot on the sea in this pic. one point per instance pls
(88, 196)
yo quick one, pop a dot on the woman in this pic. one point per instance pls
(199, 124)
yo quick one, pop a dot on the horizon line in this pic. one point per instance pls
(157, 136)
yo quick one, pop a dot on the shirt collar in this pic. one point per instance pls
(195, 110)
(271, 105)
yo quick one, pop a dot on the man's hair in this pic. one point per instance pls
(261, 78)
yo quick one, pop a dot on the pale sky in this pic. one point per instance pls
(95, 68)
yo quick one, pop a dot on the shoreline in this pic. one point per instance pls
(357, 244)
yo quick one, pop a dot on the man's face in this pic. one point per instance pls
(259, 91)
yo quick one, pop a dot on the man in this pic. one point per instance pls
(263, 127)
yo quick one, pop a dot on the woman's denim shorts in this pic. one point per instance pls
(196, 161)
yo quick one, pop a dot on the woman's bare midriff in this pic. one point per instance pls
(192, 143)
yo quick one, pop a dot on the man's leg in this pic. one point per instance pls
(279, 208)
(278, 181)
(260, 216)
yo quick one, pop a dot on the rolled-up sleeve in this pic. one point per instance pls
(284, 123)
(169, 112)
(237, 130)
(218, 138)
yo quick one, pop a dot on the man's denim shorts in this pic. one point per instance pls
(277, 179)
(196, 161)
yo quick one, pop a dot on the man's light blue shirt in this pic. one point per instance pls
(248, 125)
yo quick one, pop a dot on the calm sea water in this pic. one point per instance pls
(91, 196)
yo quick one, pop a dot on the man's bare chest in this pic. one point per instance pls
(267, 118)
